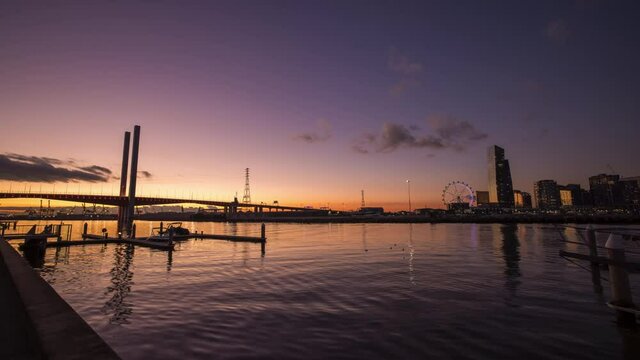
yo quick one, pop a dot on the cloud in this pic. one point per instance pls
(145, 174)
(322, 133)
(558, 31)
(454, 131)
(16, 167)
(447, 132)
(409, 71)
(402, 64)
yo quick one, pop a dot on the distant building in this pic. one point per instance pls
(371, 210)
(577, 195)
(526, 200)
(458, 206)
(606, 190)
(430, 212)
(587, 199)
(631, 190)
(482, 197)
(500, 184)
(547, 194)
(566, 197)
(518, 201)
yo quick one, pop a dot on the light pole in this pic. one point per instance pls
(409, 190)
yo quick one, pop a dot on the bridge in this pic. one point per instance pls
(126, 203)
(116, 200)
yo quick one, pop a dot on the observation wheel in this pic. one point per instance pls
(458, 193)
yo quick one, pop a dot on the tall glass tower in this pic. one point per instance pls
(500, 184)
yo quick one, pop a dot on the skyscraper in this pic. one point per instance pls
(500, 184)
(547, 194)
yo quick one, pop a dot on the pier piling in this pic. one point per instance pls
(84, 231)
(593, 252)
(619, 280)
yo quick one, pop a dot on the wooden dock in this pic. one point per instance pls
(94, 239)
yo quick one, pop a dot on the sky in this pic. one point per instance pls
(320, 99)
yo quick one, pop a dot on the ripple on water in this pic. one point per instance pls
(343, 291)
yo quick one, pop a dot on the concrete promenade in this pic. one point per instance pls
(36, 323)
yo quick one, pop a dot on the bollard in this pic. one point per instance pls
(593, 253)
(263, 233)
(84, 231)
(619, 279)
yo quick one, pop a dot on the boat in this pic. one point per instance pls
(161, 234)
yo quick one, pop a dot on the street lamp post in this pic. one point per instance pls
(409, 190)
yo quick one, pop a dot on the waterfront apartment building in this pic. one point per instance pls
(577, 195)
(547, 194)
(526, 200)
(482, 198)
(500, 183)
(566, 197)
(521, 199)
(606, 190)
(518, 202)
(631, 190)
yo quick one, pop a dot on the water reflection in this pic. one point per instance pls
(411, 254)
(511, 256)
(121, 281)
(169, 260)
(34, 254)
(364, 238)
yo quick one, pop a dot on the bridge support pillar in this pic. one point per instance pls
(132, 179)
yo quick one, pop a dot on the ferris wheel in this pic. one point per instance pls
(458, 192)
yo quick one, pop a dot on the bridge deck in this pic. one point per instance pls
(115, 200)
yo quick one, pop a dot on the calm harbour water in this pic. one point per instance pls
(375, 291)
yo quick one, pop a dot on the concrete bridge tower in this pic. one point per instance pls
(126, 210)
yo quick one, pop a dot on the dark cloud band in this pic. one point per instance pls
(448, 133)
(16, 167)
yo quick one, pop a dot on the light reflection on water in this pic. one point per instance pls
(343, 291)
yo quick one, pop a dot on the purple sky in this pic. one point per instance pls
(321, 99)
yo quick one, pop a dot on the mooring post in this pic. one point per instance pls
(593, 252)
(161, 227)
(84, 231)
(170, 236)
(133, 231)
(619, 279)
(263, 233)
(3, 226)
